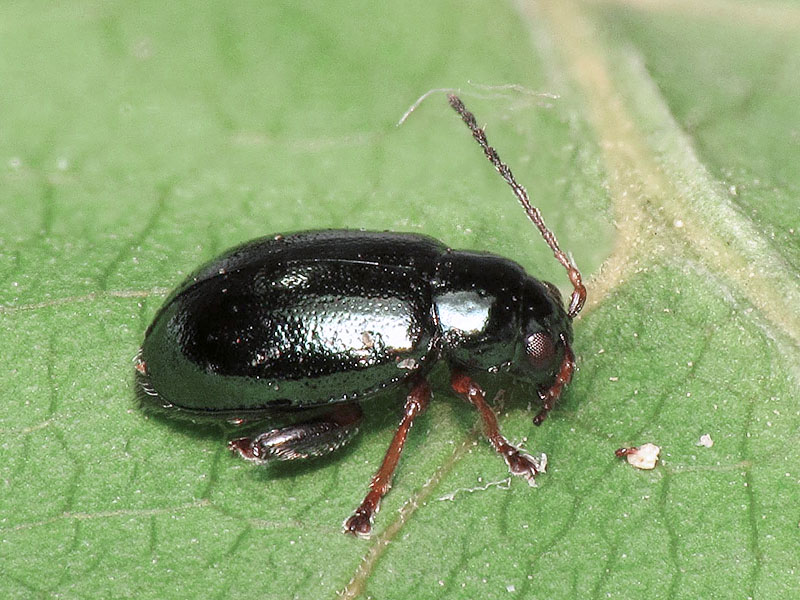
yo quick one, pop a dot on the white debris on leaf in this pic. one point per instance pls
(407, 363)
(705, 440)
(503, 484)
(644, 457)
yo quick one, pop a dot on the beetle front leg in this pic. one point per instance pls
(519, 462)
(563, 377)
(360, 523)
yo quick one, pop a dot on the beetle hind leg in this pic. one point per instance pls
(519, 463)
(306, 439)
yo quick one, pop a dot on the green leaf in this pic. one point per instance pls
(139, 140)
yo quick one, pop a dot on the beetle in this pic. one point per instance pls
(307, 326)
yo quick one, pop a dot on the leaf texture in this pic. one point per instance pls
(660, 140)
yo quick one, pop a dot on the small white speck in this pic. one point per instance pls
(511, 588)
(678, 223)
(408, 363)
(613, 378)
(366, 340)
(62, 164)
(705, 440)
(15, 162)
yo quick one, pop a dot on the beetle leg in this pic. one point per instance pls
(519, 462)
(551, 394)
(360, 523)
(306, 439)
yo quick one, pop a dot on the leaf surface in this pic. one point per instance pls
(660, 140)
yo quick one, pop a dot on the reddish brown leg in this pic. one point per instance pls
(519, 463)
(551, 394)
(360, 523)
(304, 439)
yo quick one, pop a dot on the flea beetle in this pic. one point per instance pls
(305, 327)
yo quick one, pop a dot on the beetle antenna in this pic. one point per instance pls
(579, 292)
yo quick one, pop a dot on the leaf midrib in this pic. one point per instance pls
(663, 196)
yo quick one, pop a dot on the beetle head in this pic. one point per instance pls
(545, 332)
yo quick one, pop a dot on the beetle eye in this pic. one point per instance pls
(540, 350)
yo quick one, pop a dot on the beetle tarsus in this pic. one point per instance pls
(524, 465)
(244, 447)
(360, 523)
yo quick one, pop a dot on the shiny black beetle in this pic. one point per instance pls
(307, 325)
